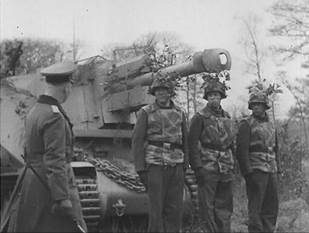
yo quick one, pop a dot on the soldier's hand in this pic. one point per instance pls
(279, 169)
(200, 176)
(248, 176)
(64, 208)
(143, 176)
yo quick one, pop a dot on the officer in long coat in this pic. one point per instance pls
(211, 137)
(48, 200)
(256, 156)
(159, 144)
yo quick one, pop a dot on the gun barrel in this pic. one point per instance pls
(210, 60)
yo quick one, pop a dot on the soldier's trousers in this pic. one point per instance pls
(262, 201)
(215, 203)
(165, 191)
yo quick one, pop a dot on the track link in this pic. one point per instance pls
(90, 201)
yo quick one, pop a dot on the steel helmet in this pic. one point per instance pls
(214, 85)
(162, 80)
(258, 97)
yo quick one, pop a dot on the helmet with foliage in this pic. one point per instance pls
(215, 86)
(258, 97)
(212, 84)
(162, 80)
(258, 93)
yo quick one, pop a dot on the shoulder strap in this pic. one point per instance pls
(148, 108)
(55, 109)
(65, 115)
(204, 113)
(178, 108)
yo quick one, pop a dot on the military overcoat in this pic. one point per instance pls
(48, 147)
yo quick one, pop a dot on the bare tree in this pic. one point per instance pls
(292, 30)
(292, 25)
(300, 92)
(195, 93)
(36, 53)
(255, 53)
(254, 50)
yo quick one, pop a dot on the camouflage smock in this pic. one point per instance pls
(160, 137)
(210, 141)
(255, 145)
(164, 125)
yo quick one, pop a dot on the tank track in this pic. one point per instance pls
(190, 181)
(89, 194)
(128, 180)
(90, 201)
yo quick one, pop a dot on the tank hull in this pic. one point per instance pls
(102, 107)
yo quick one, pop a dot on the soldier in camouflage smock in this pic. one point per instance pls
(159, 144)
(257, 160)
(211, 137)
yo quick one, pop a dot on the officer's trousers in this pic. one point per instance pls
(262, 201)
(215, 203)
(165, 191)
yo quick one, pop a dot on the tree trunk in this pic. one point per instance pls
(188, 96)
(194, 95)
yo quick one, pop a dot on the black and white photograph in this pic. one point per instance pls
(154, 116)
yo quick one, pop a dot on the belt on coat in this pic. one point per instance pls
(259, 148)
(265, 156)
(169, 145)
(214, 147)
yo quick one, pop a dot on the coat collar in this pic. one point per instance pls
(208, 112)
(46, 99)
(264, 118)
(172, 105)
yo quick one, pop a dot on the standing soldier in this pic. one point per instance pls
(48, 199)
(211, 137)
(159, 145)
(257, 161)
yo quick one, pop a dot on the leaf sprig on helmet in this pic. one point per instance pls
(259, 92)
(216, 82)
(164, 80)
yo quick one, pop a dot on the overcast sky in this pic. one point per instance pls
(200, 23)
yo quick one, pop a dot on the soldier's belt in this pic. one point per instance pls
(264, 156)
(169, 145)
(217, 160)
(163, 155)
(259, 148)
(214, 147)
